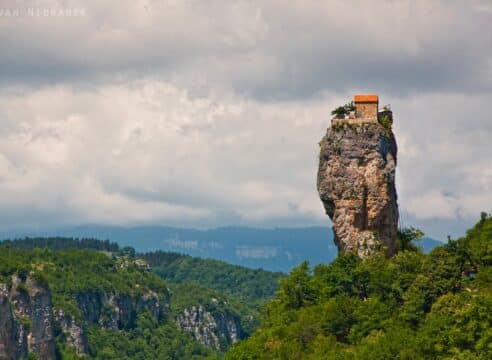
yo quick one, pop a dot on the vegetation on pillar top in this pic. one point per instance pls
(340, 111)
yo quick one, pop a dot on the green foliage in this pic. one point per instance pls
(411, 306)
(196, 280)
(244, 283)
(191, 293)
(65, 351)
(26, 322)
(296, 290)
(340, 111)
(220, 306)
(60, 243)
(148, 340)
(69, 267)
(70, 272)
(385, 122)
(406, 238)
(22, 288)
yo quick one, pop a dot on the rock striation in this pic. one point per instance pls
(28, 319)
(10, 331)
(215, 329)
(356, 184)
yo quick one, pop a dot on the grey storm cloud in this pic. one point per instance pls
(269, 49)
(209, 113)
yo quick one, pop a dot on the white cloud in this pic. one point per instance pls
(148, 151)
(444, 170)
(265, 49)
(433, 204)
(193, 113)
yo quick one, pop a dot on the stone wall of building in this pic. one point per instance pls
(366, 110)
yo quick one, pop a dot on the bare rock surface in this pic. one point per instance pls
(28, 319)
(9, 328)
(356, 184)
(75, 333)
(212, 329)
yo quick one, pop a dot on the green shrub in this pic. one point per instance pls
(340, 111)
(41, 279)
(22, 288)
(385, 122)
(26, 322)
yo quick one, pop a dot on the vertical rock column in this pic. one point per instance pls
(356, 184)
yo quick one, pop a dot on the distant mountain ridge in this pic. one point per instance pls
(277, 249)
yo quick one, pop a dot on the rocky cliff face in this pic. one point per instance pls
(356, 183)
(10, 336)
(26, 313)
(116, 311)
(215, 329)
(28, 318)
(74, 332)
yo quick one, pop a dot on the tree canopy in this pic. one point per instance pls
(410, 306)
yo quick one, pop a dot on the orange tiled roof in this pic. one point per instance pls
(366, 98)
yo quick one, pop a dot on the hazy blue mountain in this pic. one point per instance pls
(272, 249)
(428, 244)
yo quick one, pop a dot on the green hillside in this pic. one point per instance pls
(84, 284)
(193, 279)
(412, 306)
(250, 284)
(85, 276)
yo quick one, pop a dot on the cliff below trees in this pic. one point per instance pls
(31, 324)
(356, 184)
(26, 320)
(77, 303)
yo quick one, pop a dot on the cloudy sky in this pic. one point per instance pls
(209, 113)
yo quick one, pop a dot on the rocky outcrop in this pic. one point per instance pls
(28, 319)
(150, 302)
(117, 311)
(356, 183)
(9, 328)
(217, 329)
(41, 339)
(110, 311)
(75, 334)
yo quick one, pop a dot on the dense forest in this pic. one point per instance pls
(193, 279)
(250, 284)
(410, 306)
(77, 270)
(245, 283)
(74, 274)
(60, 243)
(244, 290)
